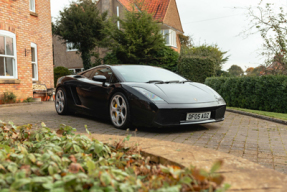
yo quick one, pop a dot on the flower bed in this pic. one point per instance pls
(45, 160)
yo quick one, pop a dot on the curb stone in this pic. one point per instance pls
(258, 116)
(21, 104)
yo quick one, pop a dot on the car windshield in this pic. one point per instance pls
(133, 73)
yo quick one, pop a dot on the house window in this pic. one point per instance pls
(75, 71)
(118, 15)
(8, 64)
(34, 62)
(170, 37)
(70, 47)
(32, 6)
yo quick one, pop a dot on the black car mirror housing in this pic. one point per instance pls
(100, 78)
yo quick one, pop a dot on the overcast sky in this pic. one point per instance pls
(214, 22)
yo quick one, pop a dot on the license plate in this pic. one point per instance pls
(198, 116)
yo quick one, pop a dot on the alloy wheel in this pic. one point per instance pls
(118, 110)
(60, 101)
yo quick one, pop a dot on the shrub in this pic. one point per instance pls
(59, 72)
(196, 68)
(45, 160)
(166, 58)
(265, 93)
(9, 97)
(28, 100)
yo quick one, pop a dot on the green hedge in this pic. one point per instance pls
(196, 68)
(59, 72)
(265, 93)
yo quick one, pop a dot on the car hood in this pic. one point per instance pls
(179, 93)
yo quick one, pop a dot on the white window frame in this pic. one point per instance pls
(33, 45)
(118, 15)
(68, 48)
(171, 36)
(13, 36)
(74, 70)
(32, 6)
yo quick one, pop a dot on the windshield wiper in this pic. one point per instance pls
(155, 81)
(171, 82)
(188, 81)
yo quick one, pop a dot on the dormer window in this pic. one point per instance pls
(32, 6)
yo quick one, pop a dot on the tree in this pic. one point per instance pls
(258, 71)
(249, 71)
(185, 41)
(272, 26)
(138, 41)
(235, 70)
(221, 73)
(82, 24)
(212, 51)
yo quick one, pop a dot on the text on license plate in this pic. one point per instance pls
(198, 116)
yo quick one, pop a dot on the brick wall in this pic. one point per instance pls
(172, 16)
(28, 28)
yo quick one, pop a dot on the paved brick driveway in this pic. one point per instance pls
(257, 140)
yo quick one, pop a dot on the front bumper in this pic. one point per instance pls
(172, 117)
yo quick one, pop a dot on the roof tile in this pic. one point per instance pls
(157, 8)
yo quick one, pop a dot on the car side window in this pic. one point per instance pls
(105, 71)
(87, 74)
(114, 79)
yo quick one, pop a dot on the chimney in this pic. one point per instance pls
(107, 6)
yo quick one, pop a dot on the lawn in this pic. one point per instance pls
(282, 116)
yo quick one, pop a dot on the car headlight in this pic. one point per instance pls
(148, 94)
(218, 97)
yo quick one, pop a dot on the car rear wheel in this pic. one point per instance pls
(119, 111)
(61, 102)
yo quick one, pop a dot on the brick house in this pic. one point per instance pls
(165, 12)
(25, 46)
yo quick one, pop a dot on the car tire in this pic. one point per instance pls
(61, 102)
(119, 111)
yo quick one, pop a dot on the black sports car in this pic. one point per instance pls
(138, 95)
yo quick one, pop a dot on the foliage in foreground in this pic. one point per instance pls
(265, 93)
(43, 160)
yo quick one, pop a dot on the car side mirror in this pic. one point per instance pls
(100, 78)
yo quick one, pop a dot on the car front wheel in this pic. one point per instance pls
(119, 111)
